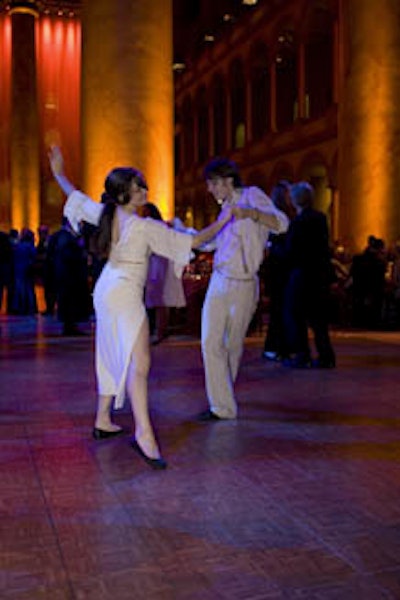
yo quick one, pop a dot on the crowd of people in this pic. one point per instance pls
(57, 266)
(119, 259)
(364, 290)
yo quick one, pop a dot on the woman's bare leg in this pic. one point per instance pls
(103, 414)
(136, 385)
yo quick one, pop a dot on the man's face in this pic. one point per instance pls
(219, 187)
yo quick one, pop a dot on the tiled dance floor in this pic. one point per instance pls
(298, 499)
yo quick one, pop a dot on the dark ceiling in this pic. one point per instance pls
(193, 20)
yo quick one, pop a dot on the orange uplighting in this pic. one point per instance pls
(128, 103)
(375, 145)
(5, 109)
(368, 126)
(150, 125)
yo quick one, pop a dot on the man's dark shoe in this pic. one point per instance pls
(324, 363)
(207, 415)
(296, 362)
(72, 332)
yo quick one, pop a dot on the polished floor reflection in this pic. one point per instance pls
(298, 499)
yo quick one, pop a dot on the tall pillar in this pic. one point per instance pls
(127, 94)
(369, 121)
(24, 135)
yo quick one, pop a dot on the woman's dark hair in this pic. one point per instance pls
(279, 194)
(151, 210)
(222, 167)
(117, 187)
(119, 181)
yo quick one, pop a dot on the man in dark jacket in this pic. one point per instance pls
(67, 255)
(306, 299)
(6, 258)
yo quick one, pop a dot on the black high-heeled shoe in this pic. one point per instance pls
(154, 463)
(102, 434)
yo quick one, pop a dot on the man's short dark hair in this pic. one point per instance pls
(222, 167)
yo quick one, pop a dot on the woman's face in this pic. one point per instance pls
(138, 195)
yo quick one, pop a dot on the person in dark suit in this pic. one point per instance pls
(368, 284)
(68, 258)
(6, 258)
(23, 301)
(306, 298)
(275, 344)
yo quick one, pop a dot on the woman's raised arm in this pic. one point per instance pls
(57, 167)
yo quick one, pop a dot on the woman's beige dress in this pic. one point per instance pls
(118, 294)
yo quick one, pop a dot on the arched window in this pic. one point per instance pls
(286, 81)
(238, 105)
(260, 92)
(188, 133)
(319, 63)
(177, 153)
(202, 125)
(219, 113)
(177, 141)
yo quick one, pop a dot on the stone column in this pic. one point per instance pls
(24, 135)
(369, 121)
(127, 94)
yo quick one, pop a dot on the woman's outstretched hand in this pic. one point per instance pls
(57, 167)
(240, 212)
(56, 161)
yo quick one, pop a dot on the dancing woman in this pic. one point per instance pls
(122, 331)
